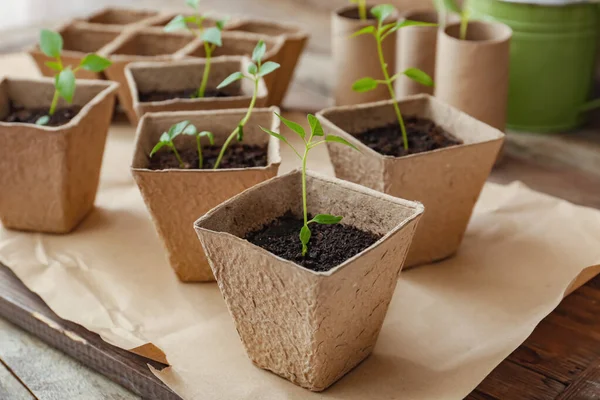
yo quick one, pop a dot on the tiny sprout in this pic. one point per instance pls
(362, 8)
(182, 128)
(256, 70)
(316, 130)
(211, 37)
(192, 131)
(51, 44)
(463, 13)
(381, 32)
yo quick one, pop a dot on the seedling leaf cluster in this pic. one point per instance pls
(380, 32)
(185, 128)
(317, 137)
(51, 44)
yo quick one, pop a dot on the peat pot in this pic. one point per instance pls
(308, 327)
(447, 181)
(144, 77)
(175, 198)
(49, 175)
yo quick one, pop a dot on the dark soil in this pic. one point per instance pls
(353, 13)
(236, 156)
(423, 135)
(30, 116)
(180, 94)
(329, 245)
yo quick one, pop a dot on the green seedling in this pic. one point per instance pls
(381, 32)
(51, 44)
(256, 70)
(316, 133)
(211, 37)
(362, 8)
(182, 128)
(463, 13)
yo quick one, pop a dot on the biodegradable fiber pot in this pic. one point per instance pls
(356, 57)
(447, 181)
(145, 77)
(49, 175)
(177, 197)
(308, 327)
(416, 49)
(472, 75)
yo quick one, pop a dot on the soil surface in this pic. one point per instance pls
(30, 116)
(236, 156)
(329, 245)
(158, 95)
(423, 135)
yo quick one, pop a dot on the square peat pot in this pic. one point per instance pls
(151, 44)
(175, 198)
(121, 18)
(294, 41)
(447, 181)
(208, 22)
(49, 175)
(79, 40)
(181, 75)
(308, 327)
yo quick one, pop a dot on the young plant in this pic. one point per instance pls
(463, 13)
(380, 33)
(185, 128)
(362, 8)
(317, 133)
(51, 44)
(256, 70)
(211, 37)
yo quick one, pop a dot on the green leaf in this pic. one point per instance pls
(315, 126)
(177, 24)
(326, 219)
(366, 30)
(297, 128)
(53, 65)
(212, 35)
(419, 76)
(267, 68)
(304, 238)
(209, 135)
(43, 120)
(382, 11)
(240, 133)
(65, 84)
(190, 130)
(193, 3)
(165, 138)
(221, 23)
(259, 51)
(51, 43)
(177, 129)
(364, 85)
(337, 139)
(408, 22)
(276, 135)
(95, 63)
(157, 147)
(252, 69)
(236, 76)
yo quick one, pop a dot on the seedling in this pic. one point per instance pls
(256, 70)
(185, 128)
(316, 131)
(463, 13)
(211, 37)
(381, 32)
(51, 44)
(362, 8)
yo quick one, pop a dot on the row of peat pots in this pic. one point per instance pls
(308, 297)
(541, 54)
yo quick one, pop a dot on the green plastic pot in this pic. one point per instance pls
(553, 53)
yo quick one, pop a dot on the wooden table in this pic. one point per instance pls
(561, 359)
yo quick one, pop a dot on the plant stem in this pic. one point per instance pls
(390, 87)
(464, 23)
(200, 157)
(242, 123)
(54, 103)
(362, 9)
(181, 164)
(304, 206)
(208, 53)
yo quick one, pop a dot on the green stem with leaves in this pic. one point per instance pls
(208, 52)
(362, 9)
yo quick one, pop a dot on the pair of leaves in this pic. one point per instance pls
(383, 12)
(390, 28)
(166, 139)
(324, 219)
(367, 84)
(257, 70)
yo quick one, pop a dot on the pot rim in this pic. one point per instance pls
(504, 33)
(110, 49)
(272, 141)
(364, 148)
(292, 30)
(417, 207)
(109, 88)
(410, 14)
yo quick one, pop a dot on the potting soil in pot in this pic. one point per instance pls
(423, 135)
(236, 156)
(329, 245)
(190, 93)
(30, 116)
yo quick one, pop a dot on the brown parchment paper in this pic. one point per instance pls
(448, 325)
